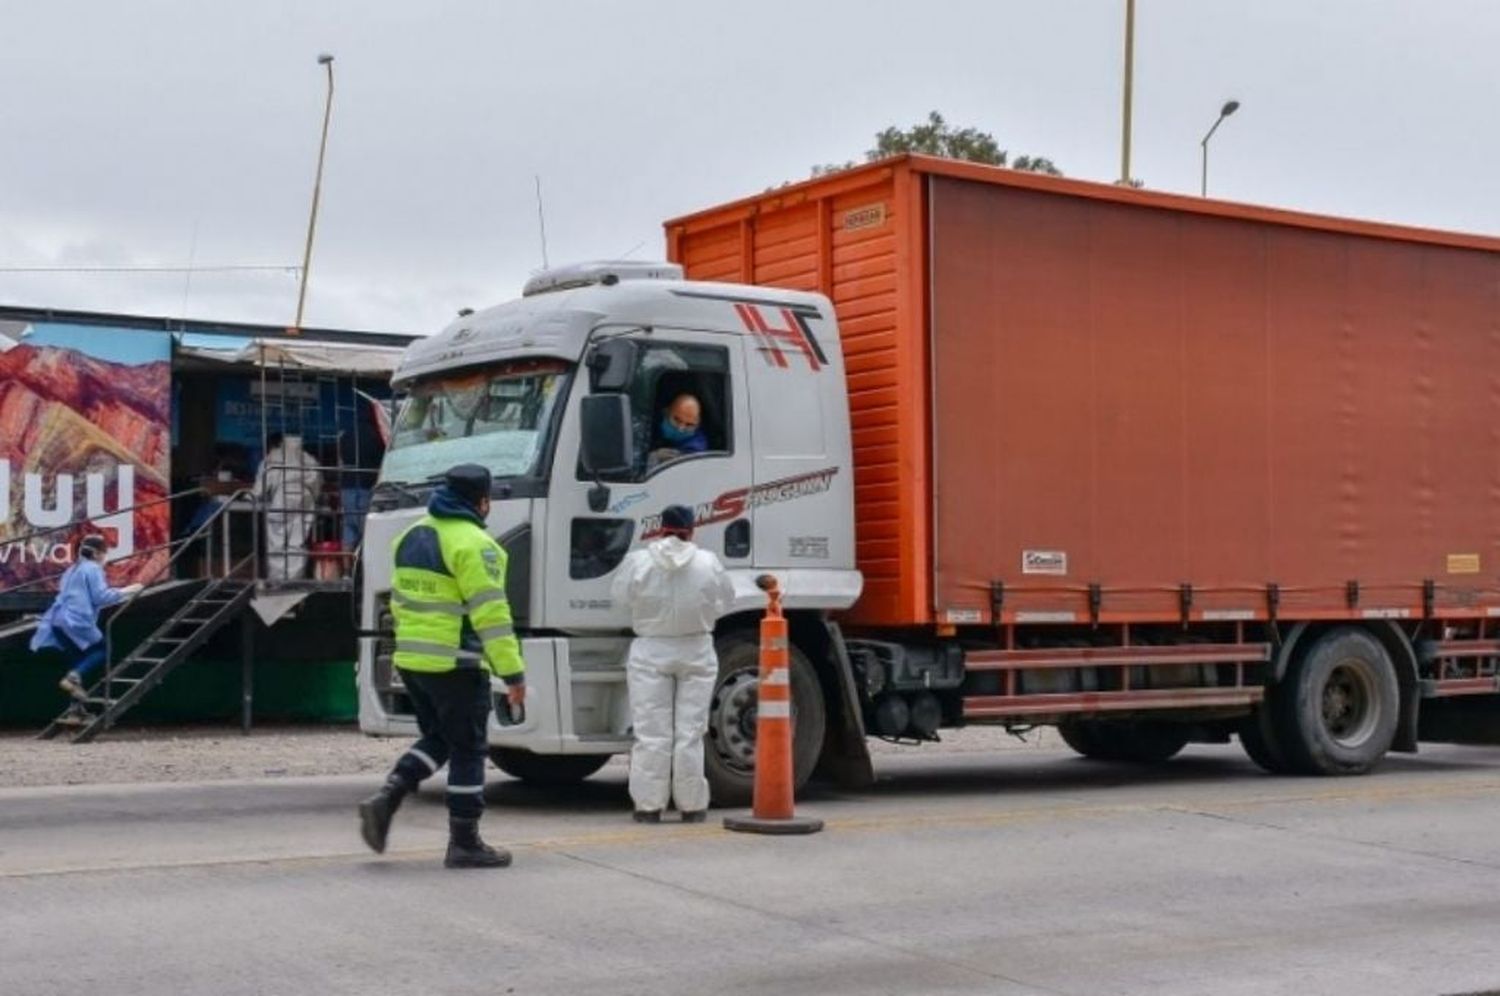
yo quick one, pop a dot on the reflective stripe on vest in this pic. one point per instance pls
(485, 598)
(446, 608)
(435, 649)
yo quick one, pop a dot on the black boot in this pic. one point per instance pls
(375, 812)
(466, 850)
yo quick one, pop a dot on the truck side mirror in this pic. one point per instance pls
(608, 445)
(611, 364)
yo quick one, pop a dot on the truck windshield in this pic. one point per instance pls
(497, 416)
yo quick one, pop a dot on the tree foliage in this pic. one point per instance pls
(935, 137)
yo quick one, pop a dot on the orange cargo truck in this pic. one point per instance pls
(1151, 468)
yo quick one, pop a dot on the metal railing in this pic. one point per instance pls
(228, 567)
(320, 518)
(73, 527)
(333, 519)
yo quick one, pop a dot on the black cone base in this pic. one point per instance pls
(787, 827)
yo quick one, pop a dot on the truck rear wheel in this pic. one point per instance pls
(1258, 738)
(1135, 741)
(729, 747)
(546, 769)
(1336, 711)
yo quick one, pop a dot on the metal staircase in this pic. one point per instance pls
(128, 680)
(222, 597)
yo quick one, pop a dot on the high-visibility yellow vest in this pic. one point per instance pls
(448, 598)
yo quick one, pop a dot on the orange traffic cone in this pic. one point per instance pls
(772, 810)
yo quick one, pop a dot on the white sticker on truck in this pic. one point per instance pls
(961, 616)
(1046, 617)
(1054, 562)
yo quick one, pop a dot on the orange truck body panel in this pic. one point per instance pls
(1072, 401)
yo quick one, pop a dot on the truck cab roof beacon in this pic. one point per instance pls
(605, 272)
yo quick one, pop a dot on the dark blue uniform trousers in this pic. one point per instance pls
(453, 708)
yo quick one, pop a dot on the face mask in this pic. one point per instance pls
(672, 434)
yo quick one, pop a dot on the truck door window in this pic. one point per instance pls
(597, 546)
(675, 383)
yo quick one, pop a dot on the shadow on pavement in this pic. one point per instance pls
(1018, 772)
(998, 774)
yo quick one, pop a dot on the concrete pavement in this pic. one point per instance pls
(1033, 872)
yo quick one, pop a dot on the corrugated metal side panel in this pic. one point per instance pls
(1169, 398)
(715, 253)
(869, 233)
(858, 240)
(785, 246)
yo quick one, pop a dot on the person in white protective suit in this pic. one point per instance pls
(675, 591)
(287, 483)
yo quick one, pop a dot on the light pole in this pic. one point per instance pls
(1230, 106)
(325, 60)
(1129, 83)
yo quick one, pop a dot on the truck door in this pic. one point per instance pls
(800, 496)
(588, 545)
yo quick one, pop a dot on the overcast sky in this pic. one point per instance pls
(159, 133)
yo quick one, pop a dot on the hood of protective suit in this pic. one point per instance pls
(672, 554)
(673, 588)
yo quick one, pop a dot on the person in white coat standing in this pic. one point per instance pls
(288, 483)
(675, 591)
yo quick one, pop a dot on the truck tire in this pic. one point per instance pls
(729, 746)
(1085, 737)
(1133, 741)
(1336, 710)
(546, 769)
(1258, 738)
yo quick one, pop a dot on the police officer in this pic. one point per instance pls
(453, 628)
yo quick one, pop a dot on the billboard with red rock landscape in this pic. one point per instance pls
(85, 446)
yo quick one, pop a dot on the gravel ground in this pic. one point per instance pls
(217, 753)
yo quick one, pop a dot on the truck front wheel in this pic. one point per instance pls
(729, 747)
(1336, 711)
(546, 769)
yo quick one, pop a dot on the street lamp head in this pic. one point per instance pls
(1229, 106)
(324, 58)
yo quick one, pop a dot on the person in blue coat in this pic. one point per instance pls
(71, 622)
(679, 433)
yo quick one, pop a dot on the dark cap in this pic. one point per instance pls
(677, 519)
(469, 482)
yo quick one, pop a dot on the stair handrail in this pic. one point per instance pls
(74, 526)
(219, 515)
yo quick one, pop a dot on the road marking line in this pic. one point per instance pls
(636, 836)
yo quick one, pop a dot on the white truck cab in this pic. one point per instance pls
(561, 394)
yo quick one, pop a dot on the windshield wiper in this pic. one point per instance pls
(407, 495)
(499, 487)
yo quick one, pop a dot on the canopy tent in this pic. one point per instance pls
(349, 358)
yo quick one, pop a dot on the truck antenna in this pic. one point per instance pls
(541, 219)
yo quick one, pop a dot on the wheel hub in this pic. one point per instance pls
(731, 720)
(1348, 703)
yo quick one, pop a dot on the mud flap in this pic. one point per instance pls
(1404, 657)
(845, 759)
